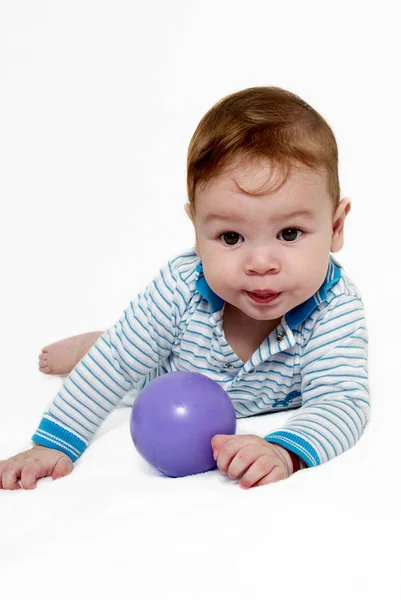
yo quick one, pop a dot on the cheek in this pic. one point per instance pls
(220, 274)
(315, 253)
(309, 267)
(216, 274)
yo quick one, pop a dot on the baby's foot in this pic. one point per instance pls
(61, 357)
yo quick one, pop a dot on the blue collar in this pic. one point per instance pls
(295, 316)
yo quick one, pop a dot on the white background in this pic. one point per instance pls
(98, 101)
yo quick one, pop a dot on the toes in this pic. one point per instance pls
(42, 360)
(46, 370)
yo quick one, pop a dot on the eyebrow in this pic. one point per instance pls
(233, 217)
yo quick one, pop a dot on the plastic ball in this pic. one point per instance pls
(174, 419)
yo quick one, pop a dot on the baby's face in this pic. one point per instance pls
(270, 243)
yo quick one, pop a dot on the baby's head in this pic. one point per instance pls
(264, 198)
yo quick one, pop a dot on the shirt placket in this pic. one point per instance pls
(221, 355)
(279, 340)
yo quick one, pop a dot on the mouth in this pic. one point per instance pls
(263, 296)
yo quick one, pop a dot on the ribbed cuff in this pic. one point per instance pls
(51, 435)
(295, 444)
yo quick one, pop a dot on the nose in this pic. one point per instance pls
(261, 261)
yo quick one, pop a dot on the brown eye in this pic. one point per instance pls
(230, 238)
(290, 234)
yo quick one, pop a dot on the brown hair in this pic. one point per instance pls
(267, 122)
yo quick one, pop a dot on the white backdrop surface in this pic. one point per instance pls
(98, 101)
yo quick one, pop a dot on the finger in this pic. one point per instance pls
(62, 467)
(30, 474)
(218, 442)
(2, 463)
(220, 439)
(260, 468)
(10, 476)
(277, 473)
(244, 459)
(230, 449)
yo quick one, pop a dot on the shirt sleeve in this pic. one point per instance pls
(120, 358)
(334, 386)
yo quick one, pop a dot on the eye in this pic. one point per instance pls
(290, 234)
(231, 238)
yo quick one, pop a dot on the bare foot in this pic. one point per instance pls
(61, 357)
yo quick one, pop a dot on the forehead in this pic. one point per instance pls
(260, 178)
(257, 192)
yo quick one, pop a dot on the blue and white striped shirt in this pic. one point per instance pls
(315, 360)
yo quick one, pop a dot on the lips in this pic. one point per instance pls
(263, 292)
(263, 296)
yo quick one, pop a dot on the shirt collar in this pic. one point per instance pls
(203, 288)
(295, 316)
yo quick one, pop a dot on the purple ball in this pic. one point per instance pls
(173, 421)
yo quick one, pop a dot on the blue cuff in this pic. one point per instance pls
(51, 435)
(295, 444)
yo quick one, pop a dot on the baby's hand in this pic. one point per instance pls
(259, 462)
(31, 465)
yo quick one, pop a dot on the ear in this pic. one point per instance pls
(188, 210)
(342, 211)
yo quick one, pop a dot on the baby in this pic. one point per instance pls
(259, 305)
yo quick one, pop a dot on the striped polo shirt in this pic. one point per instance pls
(315, 361)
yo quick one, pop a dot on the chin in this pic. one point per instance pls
(272, 316)
(264, 313)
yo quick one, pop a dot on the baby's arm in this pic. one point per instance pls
(120, 359)
(335, 388)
